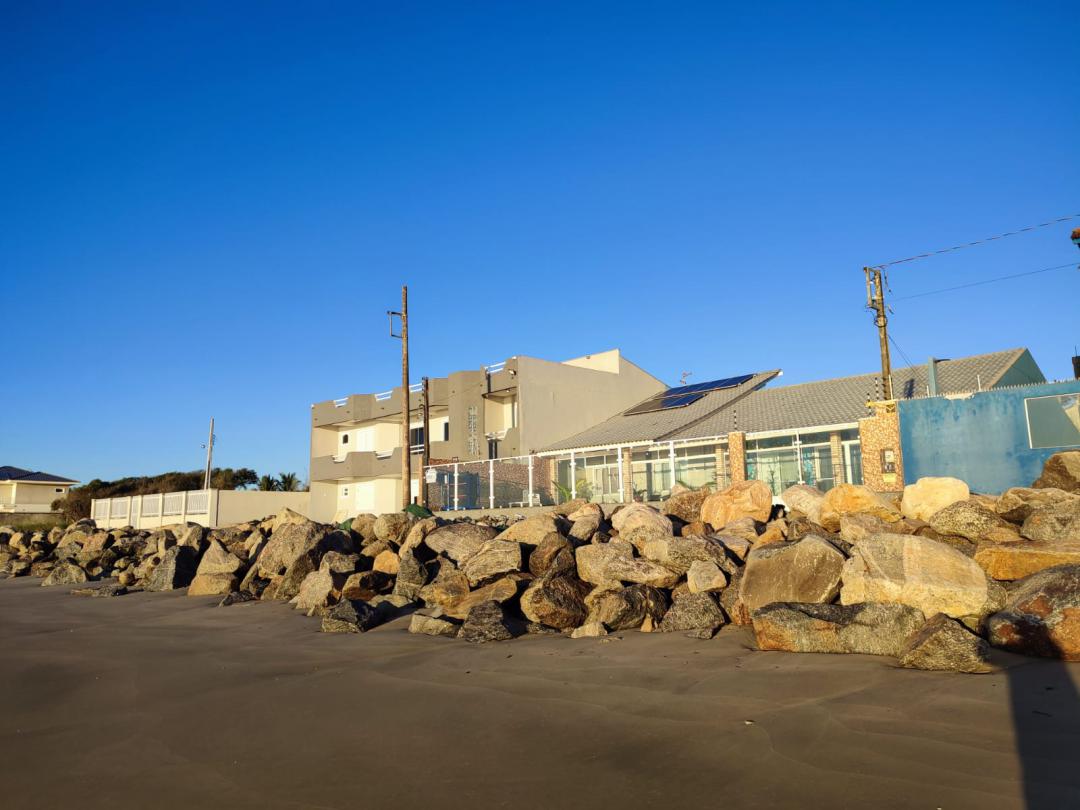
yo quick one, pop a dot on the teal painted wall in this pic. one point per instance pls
(982, 439)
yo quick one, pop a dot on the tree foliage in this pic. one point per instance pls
(76, 504)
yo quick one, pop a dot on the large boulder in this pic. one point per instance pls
(501, 590)
(351, 617)
(315, 591)
(928, 496)
(858, 526)
(364, 525)
(686, 505)
(531, 530)
(679, 553)
(176, 569)
(216, 560)
(1016, 504)
(553, 552)
(585, 527)
(945, 644)
(361, 586)
(459, 541)
(915, 571)
(487, 622)
(555, 601)
(804, 498)
(869, 628)
(972, 520)
(1061, 471)
(1041, 616)
(693, 611)
(1059, 522)
(212, 585)
(432, 622)
(412, 575)
(806, 571)
(392, 526)
(705, 577)
(494, 557)
(65, 573)
(626, 608)
(604, 563)
(847, 499)
(1011, 561)
(751, 499)
(638, 522)
(290, 541)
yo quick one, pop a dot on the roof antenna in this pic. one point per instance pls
(685, 374)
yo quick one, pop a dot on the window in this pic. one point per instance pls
(1053, 421)
(446, 431)
(344, 438)
(416, 436)
(59, 489)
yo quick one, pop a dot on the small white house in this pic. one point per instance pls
(24, 492)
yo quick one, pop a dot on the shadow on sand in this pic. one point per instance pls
(1046, 716)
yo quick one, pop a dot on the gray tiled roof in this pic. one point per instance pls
(8, 473)
(843, 400)
(752, 408)
(650, 426)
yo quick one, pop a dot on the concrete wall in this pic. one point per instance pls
(557, 400)
(982, 439)
(241, 505)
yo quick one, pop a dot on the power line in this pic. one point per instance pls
(978, 241)
(986, 281)
(907, 359)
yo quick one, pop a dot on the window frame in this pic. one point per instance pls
(1027, 421)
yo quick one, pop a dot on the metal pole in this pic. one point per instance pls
(455, 487)
(530, 481)
(573, 477)
(671, 459)
(209, 455)
(491, 484)
(875, 300)
(622, 489)
(406, 449)
(425, 458)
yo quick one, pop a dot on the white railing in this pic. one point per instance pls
(173, 503)
(198, 503)
(144, 511)
(383, 396)
(341, 403)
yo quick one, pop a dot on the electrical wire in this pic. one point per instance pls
(978, 241)
(907, 359)
(986, 281)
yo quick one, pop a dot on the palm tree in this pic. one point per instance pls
(268, 483)
(288, 482)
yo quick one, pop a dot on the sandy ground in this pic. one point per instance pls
(159, 700)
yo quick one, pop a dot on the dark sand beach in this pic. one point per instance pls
(160, 700)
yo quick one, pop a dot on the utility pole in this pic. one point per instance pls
(875, 300)
(406, 448)
(209, 455)
(425, 459)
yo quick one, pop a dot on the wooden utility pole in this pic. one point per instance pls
(425, 419)
(875, 300)
(406, 445)
(209, 455)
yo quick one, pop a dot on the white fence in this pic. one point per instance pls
(152, 511)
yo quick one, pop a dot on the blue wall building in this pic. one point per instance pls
(993, 439)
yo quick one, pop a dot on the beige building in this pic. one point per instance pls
(509, 409)
(28, 493)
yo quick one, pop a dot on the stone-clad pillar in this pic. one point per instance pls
(737, 456)
(627, 463)
(836, 448)
(877, 434)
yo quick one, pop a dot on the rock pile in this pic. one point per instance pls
(933, 578)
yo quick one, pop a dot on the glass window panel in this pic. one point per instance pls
(779, 468)
(1054, 421)
(814, 438)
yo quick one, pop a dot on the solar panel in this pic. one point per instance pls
(685, 395)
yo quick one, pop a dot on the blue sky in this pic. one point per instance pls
(208, 212)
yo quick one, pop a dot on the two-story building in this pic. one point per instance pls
(508, 409)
